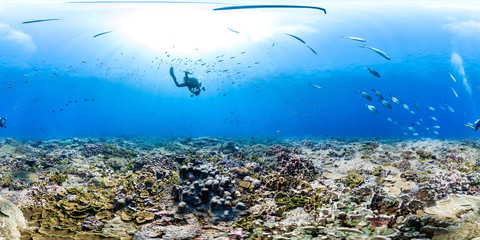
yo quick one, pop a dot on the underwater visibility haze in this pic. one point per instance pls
(142, 120)
(101, 68)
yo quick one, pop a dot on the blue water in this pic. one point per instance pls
(48, 64)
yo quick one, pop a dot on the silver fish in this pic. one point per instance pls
(355, 39)
(436, 127)
(372, 71)
(365, 95)
(434, 119)
(405, 106)
(378, 93)
(372, 108)
(381, 53)
(449, 108)
(387, 104)
(315, 86)
(394, 100)
(454, 92)
(451, 76)
(411, 129)
(431, 108)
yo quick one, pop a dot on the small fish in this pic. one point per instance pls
(431, 108)
(377, 51)
(449, 108)
(443, 108)
(404, 133)
(387, 104)
(436, 133)
(436, 127)
(418, 123)
(233, 30)
(434, 119)
(451, 76)
(454, 92)
(315, 86)
(311, 49)
(372, 108)
(389, 119)
(405, 106)
(378, 93)
(100, 34)
(267, 6)
(41, 20)
(416, 104)
(411, 129)
(428, 129)
(299, 39)
(413, 113)
(394, 100)
(415, 134)
(372, 71)
(355, 39)
(365, 95)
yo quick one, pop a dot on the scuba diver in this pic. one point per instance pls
(3, 122)
(193, 84)
(474, 126)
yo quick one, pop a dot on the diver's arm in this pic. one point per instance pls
(175, 79)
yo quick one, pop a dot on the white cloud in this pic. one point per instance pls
(459, 6)
(468, 28)
(9, 35)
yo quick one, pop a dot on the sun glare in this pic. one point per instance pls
(188, 29)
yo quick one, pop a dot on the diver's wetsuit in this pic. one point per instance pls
(192, 83)
(3, 122)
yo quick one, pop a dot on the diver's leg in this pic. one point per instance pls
(175, 79)
(470, 126)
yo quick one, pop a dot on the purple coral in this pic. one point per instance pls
(92, 150)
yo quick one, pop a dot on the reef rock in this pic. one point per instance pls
(462, 210)
(117, 227)
(454, 207)
(156, 231)
(11, 220)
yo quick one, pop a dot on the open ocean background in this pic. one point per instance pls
(121, 83)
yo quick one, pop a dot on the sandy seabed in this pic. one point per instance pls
(249, 188)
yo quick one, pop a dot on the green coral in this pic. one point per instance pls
(299, 200)
(58, 178)
(425, 154)
(353, 179)
(111, 151)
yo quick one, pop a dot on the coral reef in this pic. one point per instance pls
(216, 188)
(11, 220)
